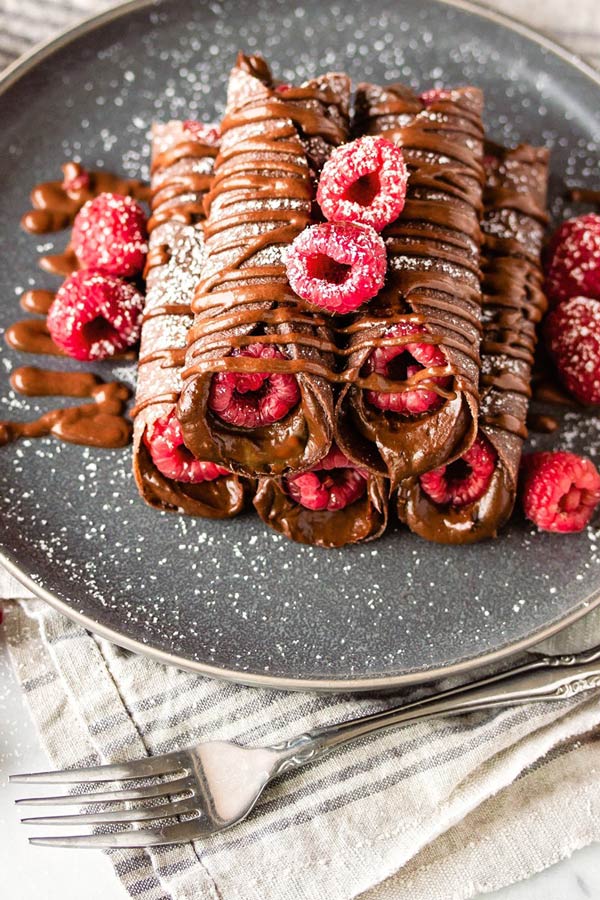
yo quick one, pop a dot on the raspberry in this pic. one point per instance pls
(573, 259)
(465, 480)
(94, 315)
(364, 181)
(208, 134)
(75, 178)
(434, 94)
(109, 234)
(560, 491)
(401, 362)
(572, 332)
(337, 266)
(172, 458)
(333, 484)
(252, 399)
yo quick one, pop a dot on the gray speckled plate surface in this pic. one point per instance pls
(235, 599)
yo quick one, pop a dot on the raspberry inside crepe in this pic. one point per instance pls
(475, 500)
(257, 396)
(167, 474)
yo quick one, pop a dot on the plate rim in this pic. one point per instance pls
(11, 75)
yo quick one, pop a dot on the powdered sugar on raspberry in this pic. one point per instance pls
(573, 259)
(560, 491)
(572, 332)
(109, 234)
(364, 181)
(337, 266)
(95, 316)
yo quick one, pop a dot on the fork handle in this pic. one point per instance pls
(548, 678)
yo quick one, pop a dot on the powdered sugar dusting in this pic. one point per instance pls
(232, 594)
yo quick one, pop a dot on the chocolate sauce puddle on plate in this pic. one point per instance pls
(56, 203)
(100, 423)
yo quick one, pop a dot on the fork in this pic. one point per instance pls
(215, 784)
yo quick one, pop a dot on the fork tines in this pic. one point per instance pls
(174, 795)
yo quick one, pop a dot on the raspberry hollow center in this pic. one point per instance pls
(250, 382)
(333, 484)
(364, 182)
(402, 367)
(253, 399)
(326, 268)
(99, 329)
(465, 480)
(337, 266)
(458, 471)
(364, 190)
(401, 362)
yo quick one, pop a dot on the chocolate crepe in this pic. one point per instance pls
(181, 172)
(363, 520)
(433, 279)
(275, 141)
(514, 303)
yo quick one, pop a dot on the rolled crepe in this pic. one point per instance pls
(433, 282)
(182, 163)
(363, 519)
(514, 303)
(274, 142)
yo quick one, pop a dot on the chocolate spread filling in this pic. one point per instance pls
(514, 303)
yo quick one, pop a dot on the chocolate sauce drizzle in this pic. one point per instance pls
(31, 336)
(542, 424)
(260, 200)
(177, 195)
(37, 302)
(514, 303)
(100, 423)
(61, 264)
(167, 197)
(275, 208)
(181, 169)
(584, 195)
(433, 279)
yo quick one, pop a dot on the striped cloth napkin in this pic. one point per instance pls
(433, 811)
(443, 809)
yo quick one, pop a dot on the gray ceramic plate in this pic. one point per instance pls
(234, 599)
